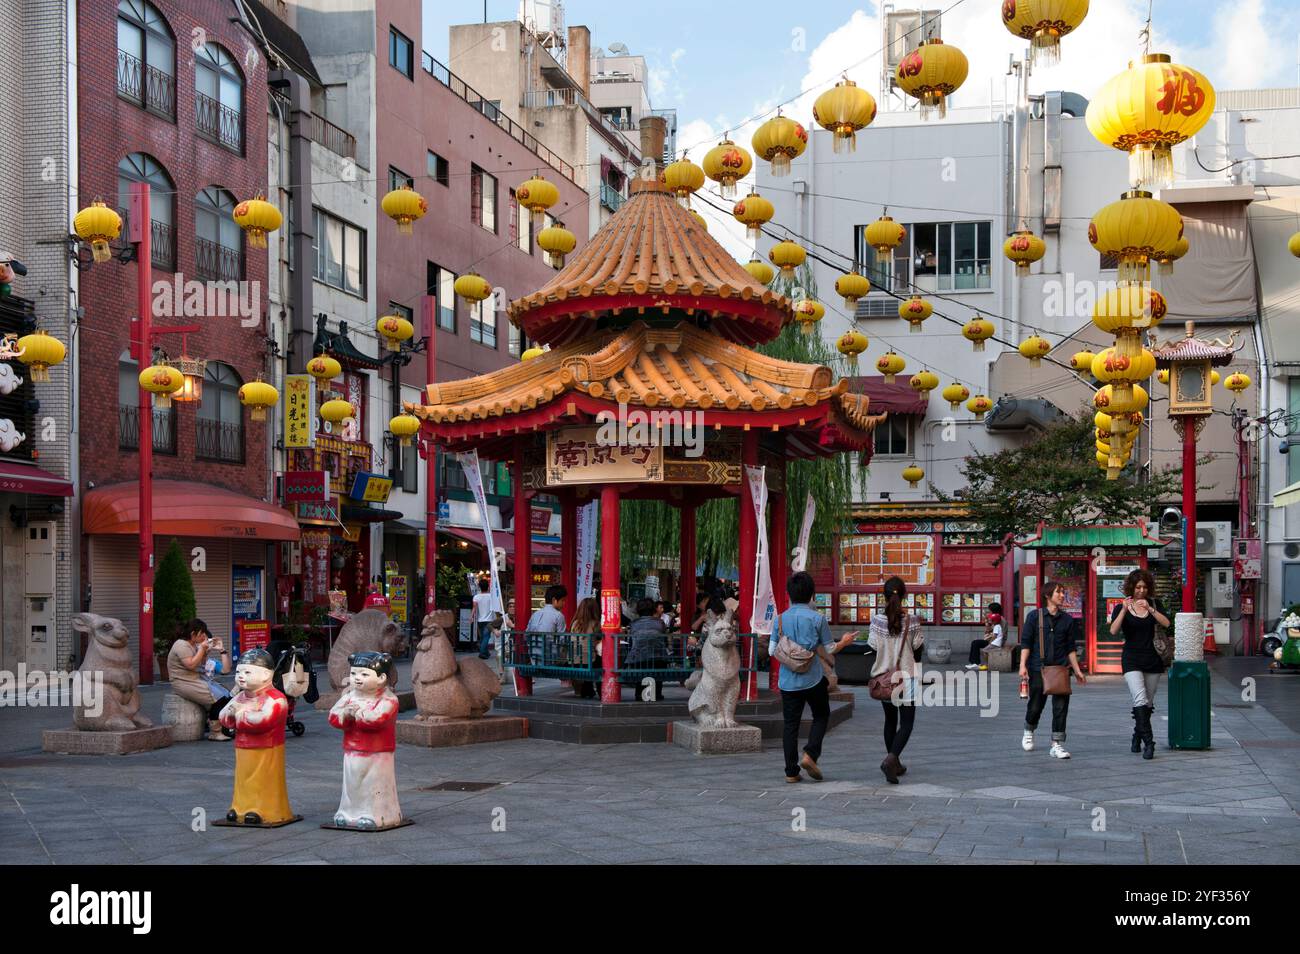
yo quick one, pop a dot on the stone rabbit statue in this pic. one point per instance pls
(113, 705)
(713, 701)
(445, 687)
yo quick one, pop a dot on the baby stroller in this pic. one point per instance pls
(294, 676)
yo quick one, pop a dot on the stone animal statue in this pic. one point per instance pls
(713, 700)
(369, 631)
(117, 707)
(445, 687)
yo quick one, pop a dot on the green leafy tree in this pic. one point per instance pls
(173, 599)
(452, 585)
(1055, 479)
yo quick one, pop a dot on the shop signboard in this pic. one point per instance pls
(299, 410)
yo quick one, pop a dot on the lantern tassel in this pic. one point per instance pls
(780, 165)
(1045, 49)
(1151, 164)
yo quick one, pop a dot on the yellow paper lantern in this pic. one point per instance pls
(1024, 248)
(1112, 366)
(1035, 348)
(1237, 382)
(979, 405)
(531, 353)
(1129, 307)
(1134, 230)
(977, 331)
(913, 475)
(404, 427)
(787, 256)
(1081, 362)
(954, 394)
(336, 411)
(779, 140)
(394, 329)
(404, 205)
(1163, 375)
(556, 241)
(472, 287)
(761, 272)
(753, 212)
(1117, 400)
(726, 164)
(1293, 245)
(931, 73)
(885, 235)
(683, 178)
(1215, 377)
(1147, 110)
(40, 352)
(98, 225)
(890, 364)
(851, 286)
(258, 395)
(536, 195)
(851, 344)
(162, 380)
(914, 311)
(808, 312)
(1167, 258)
(324, 368)
(844, 109)
(923, 382)
(1043, 23)
(257, 217)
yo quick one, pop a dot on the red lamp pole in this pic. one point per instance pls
(141, 235)
(428, 318)
(1189, 514)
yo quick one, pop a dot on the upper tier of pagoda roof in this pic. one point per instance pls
(651, 258)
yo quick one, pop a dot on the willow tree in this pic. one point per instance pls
(649, 529)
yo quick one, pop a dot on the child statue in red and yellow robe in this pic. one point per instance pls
(367, 714)
(257, 714)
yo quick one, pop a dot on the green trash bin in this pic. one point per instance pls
(1189, 705)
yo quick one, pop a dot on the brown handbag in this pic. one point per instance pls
(1056, 679)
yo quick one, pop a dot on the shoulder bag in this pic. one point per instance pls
(790, 654)
(882, 686)
(1056, 679)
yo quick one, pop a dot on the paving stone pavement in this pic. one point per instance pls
(970, 796)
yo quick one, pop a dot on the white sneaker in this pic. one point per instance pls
(1027, 741)
(972, 665)
(1058, 751)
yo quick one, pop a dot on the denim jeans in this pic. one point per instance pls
(484, 637)
(1037, 700)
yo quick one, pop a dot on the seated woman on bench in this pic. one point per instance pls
(648, 642)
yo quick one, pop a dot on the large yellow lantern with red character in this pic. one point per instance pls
(1023, 248)
(257, 217)
(1134, 230)
(404, 206)
(753, 212)
(931, 73)
(536, 195)
(844, 109)
(726, 164)
(683, 179)
(914, 311)
(884, 235)
(1043, 23)
(779, 140)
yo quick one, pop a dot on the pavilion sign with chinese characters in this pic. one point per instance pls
(575, 456)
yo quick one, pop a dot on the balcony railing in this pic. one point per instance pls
(162, 241)
(337, 140)
(164, 428)
(221, 124)
(489, 109)
(215, 262)
(145, 86)
(610, 197)
(550, 98)
(214, 440)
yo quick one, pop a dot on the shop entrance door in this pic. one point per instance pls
(1074, 576)
(1104, 649)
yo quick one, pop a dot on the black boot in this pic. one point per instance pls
(1144, 727)
(1136, 744)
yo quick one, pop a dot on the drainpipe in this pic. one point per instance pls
(301, 333)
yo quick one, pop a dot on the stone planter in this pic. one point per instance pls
(187, 720)
(938, 651)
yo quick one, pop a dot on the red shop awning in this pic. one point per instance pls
(20, 478)
(544, 554)
(896, 398)
(183, 508)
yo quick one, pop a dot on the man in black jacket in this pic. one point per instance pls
(1060, 639)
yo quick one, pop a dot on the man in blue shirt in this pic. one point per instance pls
(805, 626)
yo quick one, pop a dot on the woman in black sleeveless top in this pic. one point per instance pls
(1137, 617)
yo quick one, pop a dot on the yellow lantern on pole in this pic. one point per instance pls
(394, 329)
(1035, 348)
(1167, 258)
(556, 241)
(913, 475)
(914, 311)
(726, 164)
(1024, 248)
(1128, 307)
(851, 286)
(537, 195)
(1135, 230)
(761, 272)
(890, 364)
(98, 225)
(404, 206)
(851, 344)
(884, 235)
(923, 382)
(683, 178)
(753, 212)
(977, 331)
(844, 109)
(40, 352)
(808, 311)
(779, 140)
(1147, 110)
(1237, 382)
(258, 395)
(954, 394)
(162, 380)
(931, 73)
(787, 256)
(1043, 23)
(404, 427)
(257, 217)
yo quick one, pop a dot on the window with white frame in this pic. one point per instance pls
(935, 257)
(340, 253)
(483, 322)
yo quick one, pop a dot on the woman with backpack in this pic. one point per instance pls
(1137, 617)
(896, 637)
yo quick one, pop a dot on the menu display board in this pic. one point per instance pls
(967, 608)
(859, 607)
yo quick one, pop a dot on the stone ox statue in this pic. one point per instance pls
(713, 700)
(445, 687)
(118, 693)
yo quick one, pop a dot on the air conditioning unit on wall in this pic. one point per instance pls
(1214, 540)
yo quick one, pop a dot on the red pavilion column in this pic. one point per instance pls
(777, 559)
(610, 593)
(748, 560)
(688, 563)
(523, 558)
(569, 553)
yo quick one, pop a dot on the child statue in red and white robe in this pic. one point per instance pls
(367, 714)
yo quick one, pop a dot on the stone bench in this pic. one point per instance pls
(188, 721)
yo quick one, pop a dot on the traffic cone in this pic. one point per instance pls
(1209, 645)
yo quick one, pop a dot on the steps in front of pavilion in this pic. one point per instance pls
(556, 715)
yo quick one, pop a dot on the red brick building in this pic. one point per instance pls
(175, 94)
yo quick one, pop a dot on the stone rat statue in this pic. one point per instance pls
(713, 699)
(369, 631)
(107, 653)
(446, 687)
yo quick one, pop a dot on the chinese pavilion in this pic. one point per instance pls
(652, 319)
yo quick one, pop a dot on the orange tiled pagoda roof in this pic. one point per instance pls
(677, 368)
(652, 257)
